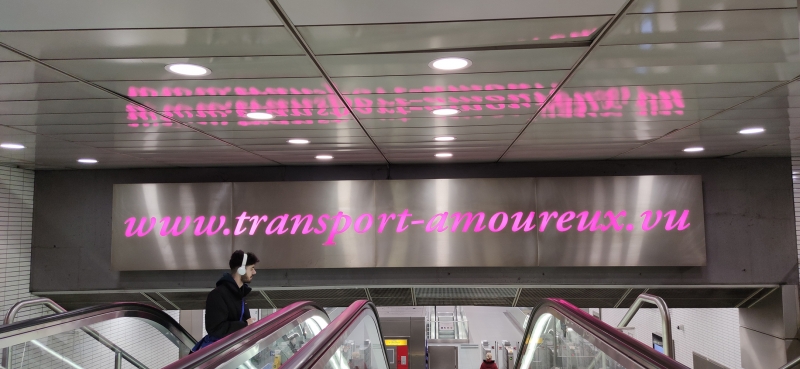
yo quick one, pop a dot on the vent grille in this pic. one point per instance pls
(465, 296)
(391, 296)
(333, 297)
(580, 297)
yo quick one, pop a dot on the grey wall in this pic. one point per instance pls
(411, 328)
(749, 217)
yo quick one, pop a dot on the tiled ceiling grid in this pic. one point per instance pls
(667, 75)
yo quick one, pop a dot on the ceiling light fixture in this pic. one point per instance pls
(444, 155)
(298, 141)
(324, 157)
(693, 149)
(445, 111)
(260, 115)
(11, 146)
(87, 161)
(445, 138)
(188, 69)
(450, 63)
(750, 131)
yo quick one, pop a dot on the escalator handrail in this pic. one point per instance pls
(232, 345)
(625, 344)
(317, 347)
(31, 329)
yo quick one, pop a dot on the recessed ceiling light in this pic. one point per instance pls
(297, 141)
(188, 69)
(444, 155)
(87, 161)
(450, 63)
(693, 149)
(324, 157)
(12, 146)
(445, 111)
(260, 115)
(750, 131)
(445, 138)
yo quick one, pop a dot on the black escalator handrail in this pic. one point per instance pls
(232, 345)
(613, 337)
(317, 347)
(36, 328)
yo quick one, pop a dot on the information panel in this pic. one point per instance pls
(514, 222)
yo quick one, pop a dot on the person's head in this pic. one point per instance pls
(488, 356)
(236, 262)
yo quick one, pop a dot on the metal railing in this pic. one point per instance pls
(119, 353)
(666, 321)
(33, 329)
(222, 353)
(791, 364)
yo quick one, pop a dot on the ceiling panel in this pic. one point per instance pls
(221, 87)
(375, 38)
(448, 82)
(452, 121)
(221, 68)
(693, 53)
(661, 6)
(685, 74)
(482, 61)
(567, 152)
(154, 43)
(59, 15)
(49, 91)
(687, 91)
(28, 72)
(735, 25)
(63, 106)
(316, 12)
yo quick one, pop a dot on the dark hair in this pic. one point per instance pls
(238, 255)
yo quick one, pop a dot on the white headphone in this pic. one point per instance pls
(243, 269)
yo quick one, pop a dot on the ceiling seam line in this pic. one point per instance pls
(299, 39)
(124, 98)
(79, 143)
(153, 301)
(670, 133)
(603, 32)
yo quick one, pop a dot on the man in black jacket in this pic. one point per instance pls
(226, 309)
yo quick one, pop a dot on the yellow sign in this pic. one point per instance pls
(396, 342)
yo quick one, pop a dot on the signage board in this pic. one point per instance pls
(514, 222)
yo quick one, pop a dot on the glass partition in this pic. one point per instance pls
(557, 342)
(359, 348)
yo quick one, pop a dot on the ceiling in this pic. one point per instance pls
(584, 297)
(549, 80)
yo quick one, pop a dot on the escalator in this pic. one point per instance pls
(558, 335)
(55, 341)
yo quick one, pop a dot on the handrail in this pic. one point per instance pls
(49, 325)
(791, 364)
(318, 346)
(234, 344)
(610, 336)
(666, 321)
(52, 305)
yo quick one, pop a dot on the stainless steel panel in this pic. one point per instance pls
(283, 249)
(424, 244)
(133, 248)
(444, 357)
(411, 223)
(624, 242)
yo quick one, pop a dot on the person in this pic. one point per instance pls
(488, 363)
(226, 308)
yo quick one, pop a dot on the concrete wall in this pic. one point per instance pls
(748, 212)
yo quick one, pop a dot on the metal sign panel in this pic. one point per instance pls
(594, 221)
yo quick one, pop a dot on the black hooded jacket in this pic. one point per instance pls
(224, 306)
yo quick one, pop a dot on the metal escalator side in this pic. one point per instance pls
(558, 334)
(267, 342)
(36, 329)
(352, 341)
